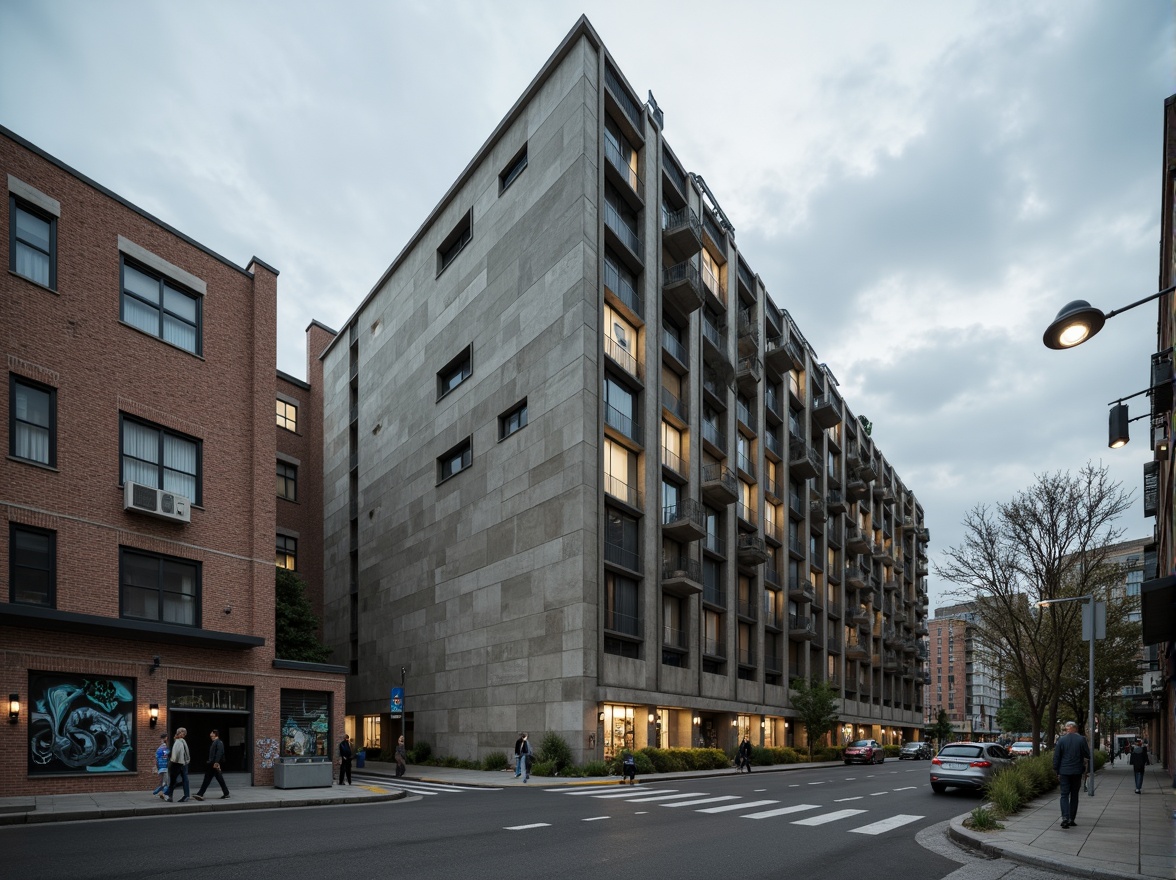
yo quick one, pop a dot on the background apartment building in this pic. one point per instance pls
(583, 475)
(137, 510)
(951, 653)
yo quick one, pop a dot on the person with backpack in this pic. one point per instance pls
(1139, 759)
(519, 756)
(628, 769)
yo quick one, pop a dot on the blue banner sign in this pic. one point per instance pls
(397, 702)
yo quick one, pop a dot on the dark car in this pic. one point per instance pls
(916, 751)
(864, 751)
(967, 765)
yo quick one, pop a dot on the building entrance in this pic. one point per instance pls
(203, 708)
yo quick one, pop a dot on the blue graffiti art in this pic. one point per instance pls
(80, 724)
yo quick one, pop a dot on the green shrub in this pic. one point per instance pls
(892, 751)
(1005, 792)
(495, 761)
(825, 753)
(420, 753)
(543, 768)
(983, 819)
(1039, 773)
(595, 768)
(1100, 758)
(708, 759)
(665, 760)
(554, 750)
(571, 772)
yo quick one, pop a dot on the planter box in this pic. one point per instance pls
(313, 772)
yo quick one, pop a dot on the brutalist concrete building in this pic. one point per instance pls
(582, 474)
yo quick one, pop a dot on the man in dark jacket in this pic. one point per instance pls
(216, 754)
(1071, 758)
(1139, 759)
(345, 759)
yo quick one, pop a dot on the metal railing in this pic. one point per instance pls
(712, 229)
(626, 557)
(617, 488)
(711, 282)
(622, 357)
(772, 441)
(623, 423)
(682, 566)
(628, 236)
(749, 608)
(746, 465)
(674, 406)
(745, 277)
(673, 638)
(683, 218)
(623, 289)
(613, 82)
(673, 461)
(714, 544)
(675, 348)
(613, 154)
(627, 624)
(674, 173)
(712, 434)
(716, 335)
(746, 513)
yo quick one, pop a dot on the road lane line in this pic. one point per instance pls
(782, 811)
(631, 793)
(886, 824)
(822, 782)
(595, 818)
(843, 800)
(668, 797)
(828, 817)
(908, 788)
(729, 807)
(876, 793)
(526, 827)
(713, 800)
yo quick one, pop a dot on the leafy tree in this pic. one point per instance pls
(1012, 716)
(942, 729)
(296, 630)
(816, 707)
(1049, 542)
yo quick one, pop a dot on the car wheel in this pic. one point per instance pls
(938, 787)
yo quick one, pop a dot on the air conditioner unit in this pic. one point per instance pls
(156, 502)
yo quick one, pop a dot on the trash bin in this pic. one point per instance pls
(359, 756)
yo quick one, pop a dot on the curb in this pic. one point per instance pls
(34, 817)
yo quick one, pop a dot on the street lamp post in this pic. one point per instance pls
(1089, 598)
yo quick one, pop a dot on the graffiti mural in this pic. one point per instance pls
(80, 724)
(267, 750)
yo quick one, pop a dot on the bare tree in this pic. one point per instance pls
(1049, 542)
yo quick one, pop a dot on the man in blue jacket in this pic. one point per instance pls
(1070, 760)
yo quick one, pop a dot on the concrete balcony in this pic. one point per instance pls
(683, 521)
(681, 233)
(682, 289)
(800, 589)
(748, 373)
(681, 576)
(803, 463)
(751, 550)
(719, 484)
(856, 489)
(748, 332)
(801, 628)
(826, 410)
(783, 354)
(835, 502)
(856, 541)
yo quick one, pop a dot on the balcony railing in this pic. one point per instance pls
(772, 400)
(673, 461)
(674, 173)
(627, 171)
(628, 236)
(714, 334)
(622, 289)
(712, 229)
(772, 577)
(626, 557)
(617, 488)
(745, 414)
(622, 357)
(714, 544)
(711, 282)
(749, 608)
(621, 94)
(682, 285)
(713, 435)
(679, 409)
(773, 665)
(746, 278)
(746, 465)
(674, 638)
(623, 423)
(772, 442)
(675, 348)
(746, 513)
(714, 648)
(627, 624)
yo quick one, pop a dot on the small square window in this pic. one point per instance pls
(32, 243)
(455, 242)
(513, 169)
(513, 420)
(32, 421)
(454, 373)
(287, 416)
(287, 552)
(287, 481)
(32, 556)
(455, 460)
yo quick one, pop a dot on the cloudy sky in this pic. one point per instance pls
(921, 184)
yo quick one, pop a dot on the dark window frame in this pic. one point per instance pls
(283, 421)
(513, 420)
(516, 166)
(286, 545)
(161, 559)
(13, 381)
(124, 417)
(455, 242)
(13, 566)
(15, 204)
(289, 480)
(164, 281)
(462, 453)
(460, 368)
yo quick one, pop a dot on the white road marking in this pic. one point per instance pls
(595, 818)
(668, 797)
(886, 824)
(712, 800)
(843, 800)
(828, 817)
(876, 793)
(730, 807)
(526, 827)
(586, 789)
(758, 790)
(630, 793)
(782, 811)
(907, 788)
(822, 782)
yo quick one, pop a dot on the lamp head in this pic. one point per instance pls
(13, 708)
(1117, 428)
(1074, 324)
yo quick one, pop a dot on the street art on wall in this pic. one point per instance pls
(80, 724)
(267, 750)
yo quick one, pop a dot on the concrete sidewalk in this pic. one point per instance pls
(1119, 834)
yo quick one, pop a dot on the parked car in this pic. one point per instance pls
(916, 751)
(967, 765)
(1020, 749)
(864, 751)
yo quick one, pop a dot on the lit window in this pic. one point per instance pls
(287, 415)
(287, 552)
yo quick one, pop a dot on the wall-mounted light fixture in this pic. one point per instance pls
(153, 714)
(734, 722)
(1079, 320)
(13, 708)
(763, 725)
(651, 717)
(1118, 434)
(600, 718)
(697, 721)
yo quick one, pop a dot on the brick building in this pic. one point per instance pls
(950, 651)
(137, 511)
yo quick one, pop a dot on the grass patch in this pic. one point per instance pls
(983, 819)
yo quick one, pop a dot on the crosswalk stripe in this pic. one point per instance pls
(729, 807)
(586, 789)
(886, 824)
(631, 793)
(782, 811)
(828, 817)
(712, 800)
(843, 800)
(667, 797)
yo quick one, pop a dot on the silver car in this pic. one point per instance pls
(967, 765)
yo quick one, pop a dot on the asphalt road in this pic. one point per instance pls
(839, 822)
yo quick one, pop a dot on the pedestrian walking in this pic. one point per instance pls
(1139, 759)
(345, 759)
(528, 757)
(216, 757)
(1070, 761)
(161, 754)
(401, 757)
(744, 756)
(177, 765)
(629, 769)
(519, 756)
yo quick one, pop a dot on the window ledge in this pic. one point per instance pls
(34, 617)
(37, 284)
(452, 475)
(36, 464)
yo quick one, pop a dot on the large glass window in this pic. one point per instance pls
(287, 481)
(32, 555)
(620, 473)
(711, 275)
(32, 243)
(671, 439)
(32, 421)
(620, 407)
(160, 588)
(620, 340)
(621, 609)
(620, 153)
(160, 307)
(162, 459)
(287, 552)
(621, 540)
